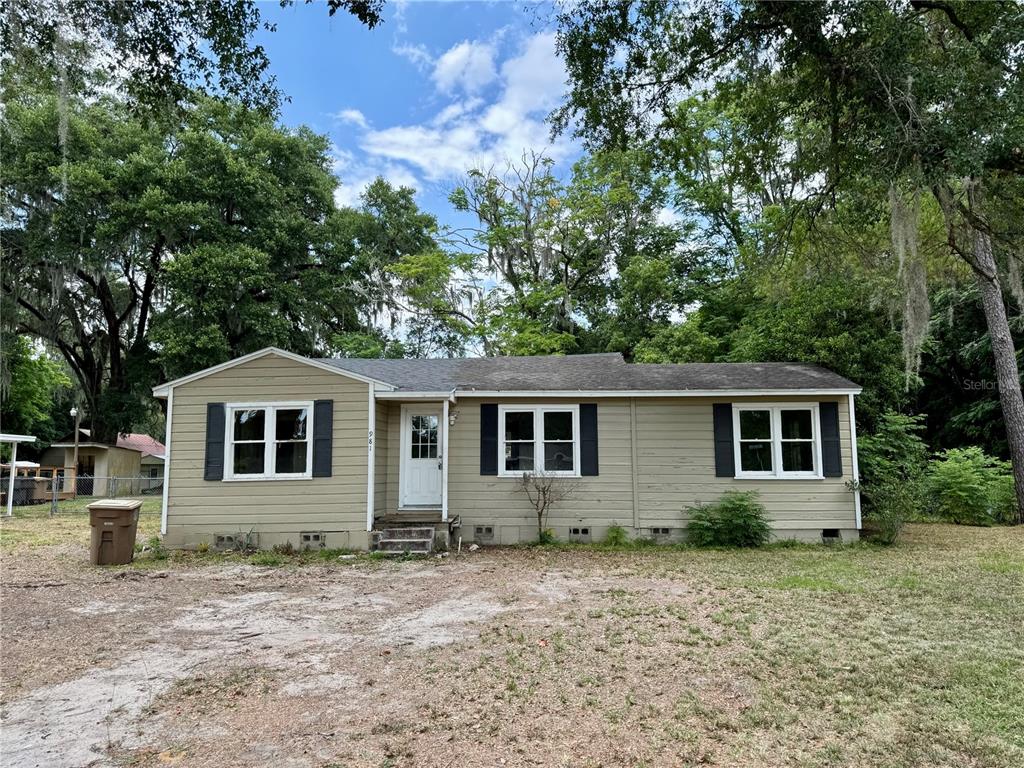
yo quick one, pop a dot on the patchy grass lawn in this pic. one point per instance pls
(32, 526)
(805, 656)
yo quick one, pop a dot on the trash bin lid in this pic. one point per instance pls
(115, 504)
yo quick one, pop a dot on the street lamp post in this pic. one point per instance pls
(74, 488)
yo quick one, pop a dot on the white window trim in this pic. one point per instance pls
(538, 436)
(776, 409)
(269, 439)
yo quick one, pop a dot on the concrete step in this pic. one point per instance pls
(422, 532)
(412, 546)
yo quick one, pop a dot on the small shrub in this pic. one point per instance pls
(547, 536)
(156, 548)
(203, 547)
(894, 455)
(735, 520)
(969, 487)
(893, 504)
(287, 549)
(616, 536)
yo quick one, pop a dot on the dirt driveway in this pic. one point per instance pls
(857, 656)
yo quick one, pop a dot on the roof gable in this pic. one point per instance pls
(163, 390)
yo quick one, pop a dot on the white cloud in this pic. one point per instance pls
(468, 66)
(471, 132)
(417, 54)
(356, 173)
(354, 117)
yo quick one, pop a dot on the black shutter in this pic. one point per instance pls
(588, 439)
(213, 467)
(831, 455)
(323, 432)
(725, 458)
(488, 438)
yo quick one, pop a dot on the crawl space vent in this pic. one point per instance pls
(312, 540)
(483, 533)
(579, 534)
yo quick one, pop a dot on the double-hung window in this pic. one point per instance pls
(538, 439)
(777, 441)
(268, 441)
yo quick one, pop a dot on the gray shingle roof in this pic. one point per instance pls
(601, 372)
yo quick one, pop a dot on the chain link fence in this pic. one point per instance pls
(60, 494)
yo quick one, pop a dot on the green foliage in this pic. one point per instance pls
(969, 487)
(585, 264)
(616, 536)
(161, 51)
(156, 548)
(29, 380)
(151, 249)
(737, 519)
(958, 390)
(895, 452)
(826, 321)
(265, 558)
(892, 505)
(892, 465)
(546, 537)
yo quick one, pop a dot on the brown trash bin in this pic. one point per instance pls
(113, 522)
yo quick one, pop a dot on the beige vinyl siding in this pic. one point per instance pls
(675, 451)
(276, 509)
(382, 454)
(675, 470)
(486, 499)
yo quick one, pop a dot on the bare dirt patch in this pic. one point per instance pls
(852, 656)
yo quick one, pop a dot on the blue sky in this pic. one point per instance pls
(438, 88)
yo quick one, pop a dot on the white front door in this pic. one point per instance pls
(420, 472)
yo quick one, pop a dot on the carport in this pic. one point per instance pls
(13, 440)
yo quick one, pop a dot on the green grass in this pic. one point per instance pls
(807, 655)
(34, 527)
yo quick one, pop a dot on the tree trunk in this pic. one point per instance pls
(1007, 373)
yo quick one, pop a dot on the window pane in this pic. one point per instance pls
(756, 457)
(291, 424)
(796, 424)
(519, 457)
(558, 425)
(755, 425)
(415, 451)
(519, 425)
(249, 424)
(558, 457)
(249, 459)
(291, 458)
(797, 457)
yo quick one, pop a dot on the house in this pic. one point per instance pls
(283, 448)
(136, 459)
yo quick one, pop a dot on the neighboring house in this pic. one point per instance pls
(135, 458)
(295, 450)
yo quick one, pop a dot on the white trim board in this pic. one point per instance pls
(581, 394)
(167, 463)
(775, 439)
(371, 458)
(163, 390)
(269, 441)
(434, 409)
(854, 461)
